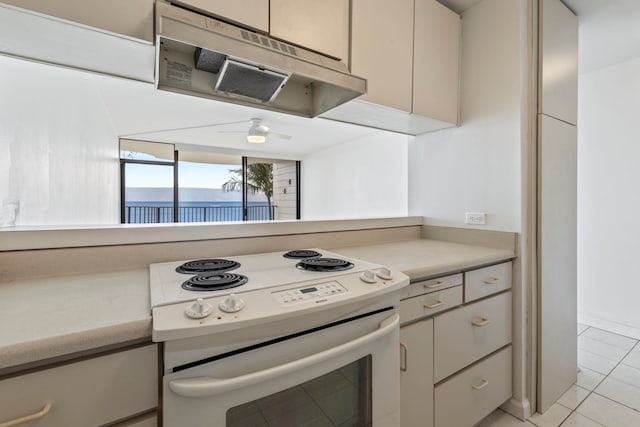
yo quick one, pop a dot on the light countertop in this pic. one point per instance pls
(426, 258)
(47, 318)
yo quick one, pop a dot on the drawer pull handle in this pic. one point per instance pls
(480, 386)
(403, 359)
(434, 305)
(482, 322)
(434, 285)
(41, 413)
(491, 281)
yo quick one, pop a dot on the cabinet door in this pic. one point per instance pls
(558, 88)
(416, 374)
(436, 61)
(557, 258)
(382, 50)
(248, 13)
(133, 18)
(322, 26)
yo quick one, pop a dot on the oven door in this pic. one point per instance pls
(344, 374)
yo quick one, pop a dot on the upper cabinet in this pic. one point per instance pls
(436, 61)
(82, 34)
(558, 91)
(133, 18)
(322, 26)
(382, 50)
(249, 13)
(408, 50)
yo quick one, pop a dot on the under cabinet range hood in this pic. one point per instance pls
(202, 56)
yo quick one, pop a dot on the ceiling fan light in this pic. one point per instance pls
(256, 139)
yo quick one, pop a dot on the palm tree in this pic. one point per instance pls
(259, 178)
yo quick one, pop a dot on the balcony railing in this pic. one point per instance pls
(134, 214)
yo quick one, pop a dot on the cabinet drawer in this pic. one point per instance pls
(431, 303)
(86, 393)
(486, 281)
(431, 285)
(471, 395)
(466, 334)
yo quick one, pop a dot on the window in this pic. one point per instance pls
(161, 184)
(201, 197)
(147, 179)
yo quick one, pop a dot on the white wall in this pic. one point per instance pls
(476, 167)
(58, 151)
(364, 178)
(609, 197)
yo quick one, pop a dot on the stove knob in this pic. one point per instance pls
(384, 273)
(231, 304)
(198, 309)
(368, 276)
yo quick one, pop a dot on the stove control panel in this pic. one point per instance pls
(303, 294)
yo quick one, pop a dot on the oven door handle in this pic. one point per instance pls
(208, 386)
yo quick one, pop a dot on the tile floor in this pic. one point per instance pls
(607, 392)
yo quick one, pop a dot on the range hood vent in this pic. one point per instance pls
(201, 56)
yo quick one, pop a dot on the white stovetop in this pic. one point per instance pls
(263, 271)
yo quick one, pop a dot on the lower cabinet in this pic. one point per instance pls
(416, 374)
(455, 356)
(101, 390)
(474, 393)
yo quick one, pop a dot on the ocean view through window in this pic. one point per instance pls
(162, 185)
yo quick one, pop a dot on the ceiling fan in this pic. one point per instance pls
(258, 133)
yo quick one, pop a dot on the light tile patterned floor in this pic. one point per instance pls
(607, 392)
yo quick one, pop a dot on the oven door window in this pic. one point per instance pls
(338, 398)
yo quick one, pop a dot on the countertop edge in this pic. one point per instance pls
(16, 356)
(418, 274)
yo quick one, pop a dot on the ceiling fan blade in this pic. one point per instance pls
(183, 128)
(232, 131)
(279, 135)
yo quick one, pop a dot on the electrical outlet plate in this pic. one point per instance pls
(476, 218)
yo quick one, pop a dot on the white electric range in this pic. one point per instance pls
(241, 331)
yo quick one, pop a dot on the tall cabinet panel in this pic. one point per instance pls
(557, 202)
